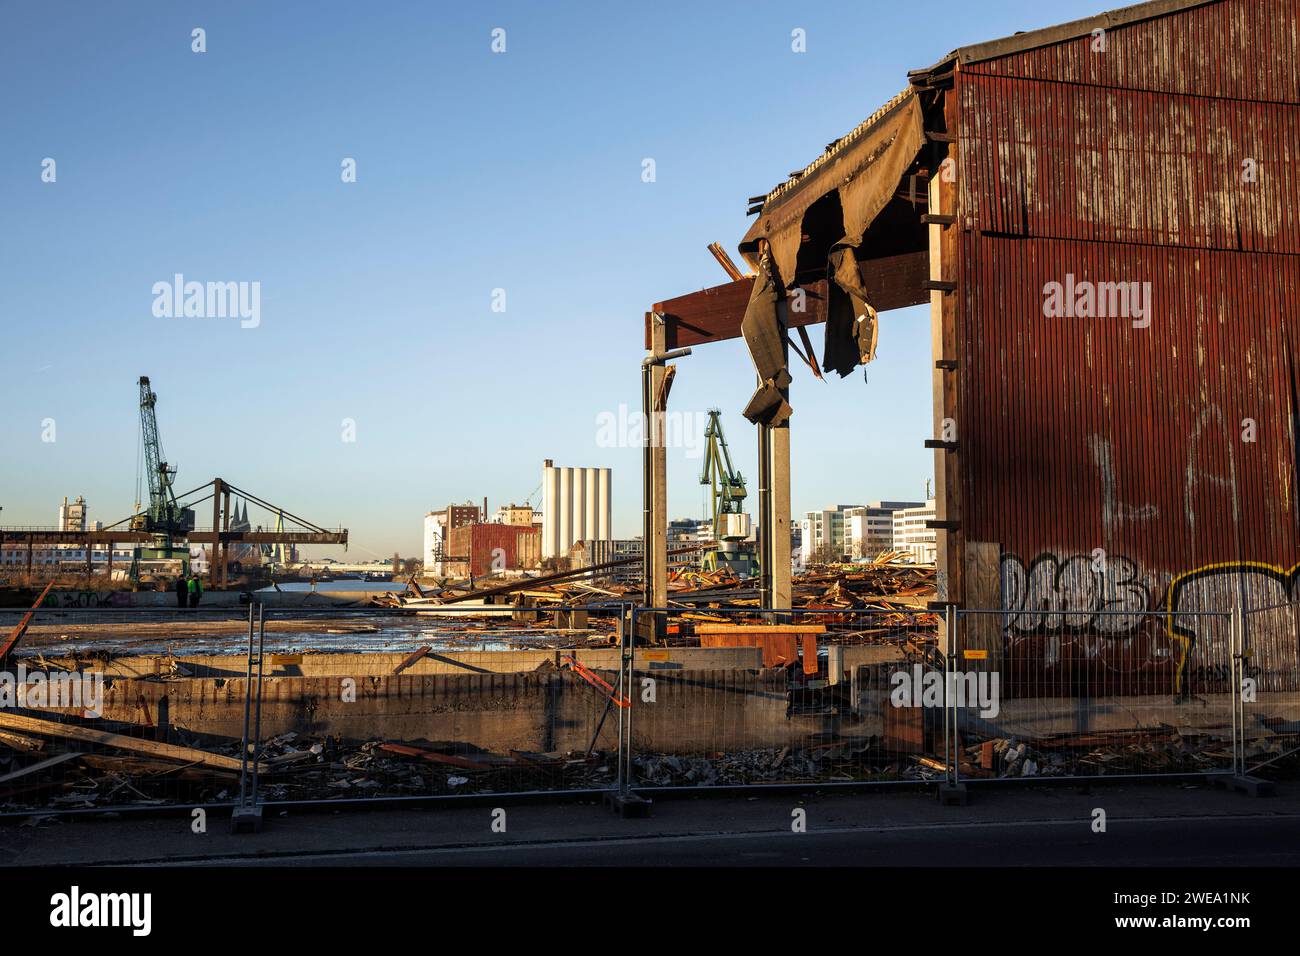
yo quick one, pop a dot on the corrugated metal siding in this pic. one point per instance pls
(1237, 49)
(1052, 159)
(1087, 437)
(1057, 412)
(519, 546)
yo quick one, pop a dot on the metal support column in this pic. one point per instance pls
(654, 472)
(774, 515)
(225, 547)
(247, 815)
(214, 555)
(621, 799)
(952, 792)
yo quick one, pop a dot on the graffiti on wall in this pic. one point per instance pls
(1098, 607)
(74, 599)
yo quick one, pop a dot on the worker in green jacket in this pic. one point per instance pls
(196, 590)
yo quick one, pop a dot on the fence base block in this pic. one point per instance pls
(1252, 786)
(628, 805)
(246, 820)
(953, 794)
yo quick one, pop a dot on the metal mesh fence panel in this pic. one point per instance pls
(737, 696)
(1270, 686)
(1093, 694)
(336, 704)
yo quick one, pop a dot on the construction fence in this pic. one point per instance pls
(117, 708)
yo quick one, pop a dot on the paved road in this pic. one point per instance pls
(1180, 841)
(1146, 825)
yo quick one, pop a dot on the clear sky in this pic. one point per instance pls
(475, 171)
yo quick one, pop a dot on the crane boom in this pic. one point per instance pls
(727, 487)
(165, 515)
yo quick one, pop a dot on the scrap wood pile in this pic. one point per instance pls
(881, 585)
(1099, 754)
(331, 768)
(876, 601)
(60, 765)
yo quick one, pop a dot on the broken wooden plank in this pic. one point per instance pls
(16, 634)
(450, 759)
(40, 765)
(412, 658)
(89, 735)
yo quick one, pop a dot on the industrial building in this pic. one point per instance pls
(517, 514)
(1100, 216)
(474, 550)
(72, 517)
(576, 506)
(437, 527)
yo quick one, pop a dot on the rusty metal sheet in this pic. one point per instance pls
(1233, 49)
(488, 547)
(1124, 461)
(865, 167)
(1108, 165)
(1128, 468)
(714, 314)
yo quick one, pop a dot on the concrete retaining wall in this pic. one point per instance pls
(440, 662)
(695, 711)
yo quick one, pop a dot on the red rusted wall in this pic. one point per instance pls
(1088, 436)
(515, 546)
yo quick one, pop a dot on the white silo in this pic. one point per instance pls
(591, 497)
(579, 506)
(550, 492)
(604, 504)
(564, 511)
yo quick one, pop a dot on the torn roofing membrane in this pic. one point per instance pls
(864, 169)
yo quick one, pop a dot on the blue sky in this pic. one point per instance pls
(475, 171)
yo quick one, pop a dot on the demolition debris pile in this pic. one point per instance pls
(882, 587)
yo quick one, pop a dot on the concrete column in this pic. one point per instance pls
(779, 518)
(658, 543)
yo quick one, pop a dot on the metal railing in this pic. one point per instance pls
(239, 706)
(1095, 693)
(1268, 686)
(799, 697)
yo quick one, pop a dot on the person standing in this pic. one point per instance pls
(182, 591)
(196, 590)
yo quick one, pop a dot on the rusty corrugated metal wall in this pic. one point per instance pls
(1163, 443)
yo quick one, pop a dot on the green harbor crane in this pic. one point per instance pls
(167, 520)
(727, 491)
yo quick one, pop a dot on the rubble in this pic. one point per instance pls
(900, 593)
(1164, 751)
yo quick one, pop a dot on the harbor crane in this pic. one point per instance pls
(731, 525)
(166, 519)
